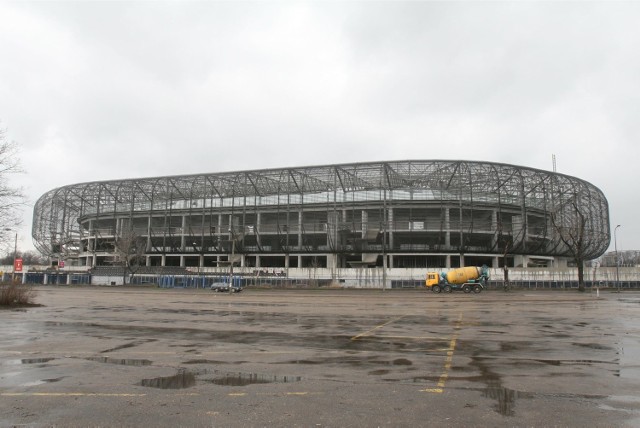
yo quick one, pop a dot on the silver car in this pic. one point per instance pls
(223, 286)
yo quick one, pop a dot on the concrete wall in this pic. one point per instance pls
(373, 277)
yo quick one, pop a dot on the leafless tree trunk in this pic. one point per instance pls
(12, 198)
(130, 249)
(505, 265)
(570, 224)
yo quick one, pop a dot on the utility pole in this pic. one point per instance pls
(15, 256)
(384, 241)
(615, 241)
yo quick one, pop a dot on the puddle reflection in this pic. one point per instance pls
(121, 361)
(243, 379)
(181, 380)
(506, 399)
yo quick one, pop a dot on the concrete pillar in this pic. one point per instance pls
(148, 236)
(257, 228)
(183, 238)
(331, 261)
(494, 226)
(447, 233)
(299, 232)
(520, 261)
(364, 219)
(389, 228)
(560, 263)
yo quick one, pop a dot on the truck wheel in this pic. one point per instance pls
(466, 288)
(436, 289)
(447, 289)
(477, 289)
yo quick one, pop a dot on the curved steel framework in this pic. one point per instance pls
(411, 213)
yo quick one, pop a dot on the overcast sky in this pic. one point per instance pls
(110, 90)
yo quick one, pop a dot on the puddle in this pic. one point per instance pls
(128, 345)
(596, 346)
(213, 362)
(243, 379)
(121, 361)
(27, 361)
(181, 380)
(36, 360)
(352, 361)
(53, 380)
(43, 381)
(506, 399)
(629, 352)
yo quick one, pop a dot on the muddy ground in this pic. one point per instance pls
(320, 358)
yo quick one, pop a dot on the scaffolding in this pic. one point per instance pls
(408, 213)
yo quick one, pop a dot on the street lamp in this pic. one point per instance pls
(615, 242)
(233, 256)
(15, 256)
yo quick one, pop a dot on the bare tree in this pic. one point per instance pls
(12, 198)
(507, 242)
(130, 249)
(28, 258)
(570, 224)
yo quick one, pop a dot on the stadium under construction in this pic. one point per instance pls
(395, 214)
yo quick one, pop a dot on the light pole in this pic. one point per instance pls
(15, 256)
(615, 243)
(233, 256)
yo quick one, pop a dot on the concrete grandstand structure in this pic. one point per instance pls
(396, 214)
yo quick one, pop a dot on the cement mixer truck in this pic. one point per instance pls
(466, 279)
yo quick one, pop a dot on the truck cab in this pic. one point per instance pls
(433, 278)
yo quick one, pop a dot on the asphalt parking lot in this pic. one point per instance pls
(320, 358)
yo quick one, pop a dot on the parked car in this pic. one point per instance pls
(224, 287)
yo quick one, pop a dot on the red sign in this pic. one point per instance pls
(61, 263)
(17, 265)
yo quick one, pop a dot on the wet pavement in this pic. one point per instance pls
(322, 358)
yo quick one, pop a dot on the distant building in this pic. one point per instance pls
(628, 258)
(415, 213)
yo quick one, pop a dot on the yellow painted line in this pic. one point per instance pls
(66, 394)
(237, 394)
(292, 393)
(377, 327)
(384, 336)
(448, 361)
